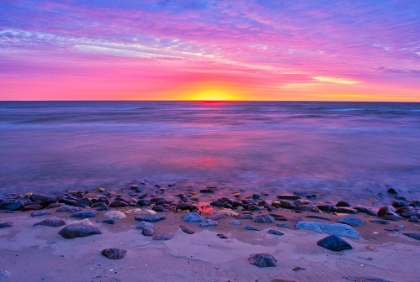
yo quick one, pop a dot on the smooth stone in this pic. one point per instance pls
(275, 232)
(380, 221)
(365, 210)
(148, 212)
(392, 217)
(51, 222)
(45, 200)
(392, 191)
(326, 207)
(306, 208)
(262, 260)
(148, 231)
(208, 222)
(6, 224)
(40, 213)
(333, 229)
(284, 225)
(318, 217)
(386, 210)
(264, 219)
(351, 220)
(166, 236)
(32, 207)
(83, 203)
(114, 253)
(236, 223)
(414, 219)
(84, 214)
(216, 216)
(345, 210)
(251, 228)
(413, 235)
(109, 221)
(334, 243)
(286, 204)
(192, 217)
(114, 215)
(144, 224)
(410, 214)
(186, 206)
(245, 216)
(151, 219)
(118, 204)
(187, 229)
(278, 217)
(11, 206)
(4, 274)
(67, 208)
(342, 204)
(144, 203)
(79, 230)
(366, 279)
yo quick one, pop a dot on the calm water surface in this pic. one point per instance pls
(345, 150)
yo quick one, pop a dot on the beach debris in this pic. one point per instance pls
(324, 227)
(67, 208)
(84, 214)
(114, 253)
(265, 218)
(114, 215)
(275, 232)
(187, 229)
(51, 222)
(40, 213)
(148, 231)
(334, 243)
(192, 217)
(81, 229)
(251, 228)
(262, 260)
(351, 220)
(151, 219)
(413, 235)
(165, 236)
(144, 224)
(208, 222)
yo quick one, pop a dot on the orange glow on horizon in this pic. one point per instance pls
(212, 91)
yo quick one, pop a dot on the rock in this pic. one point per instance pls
(236, 223)
(118, 204)
(351, 220)
(296, 219)
(264, 219)
(186, 206)
(365, 210)
(114, 215)
(66, 208)
(413, 235)
(392, 229)
(334, 243)
(192, 217)
(45, 200)
(414, 219)
(144, 203)
(399, 204)
(345, 210)
(32, 207)
(284, 225)
(149, 212)
(288, 197)
(51, 222)
(286, 205)
(166, 236)
(379, 221)
(144, 224)
(251, 228)
(216, 216)
(11, 206)
(306, 208)
(410, 214)
(148, 231)
(318, 217)
(326, 207)
(278, 217)
(222, 236)
(262, 260)
(83, 202)
(187, 229)
(84, 214)
(151, 219)
(342, 204)
(245, 216)
(392, 191)
(366, 279)
(392, 217)
(386, 210)
(114, 253)
(82, 229)
(6, 224)
(158, 201)
(4, 274)
(282, 280)
(275, 232)
(208, 222)
(40, 213)
(109, 221)
(208, 189)
(333, 229)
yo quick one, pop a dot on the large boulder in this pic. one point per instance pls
(82, 229)
(333, 229)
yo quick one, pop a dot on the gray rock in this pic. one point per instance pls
(79, 230)
(380, 221)
(144, 224)
(192, 217)
(334, 243)
(51, 222)
(148, 231)
(66, 208)
(114, 253)
(236, 223)
(187, 229)
(40, 213)
(11, 206)
(245, 216)
(166, 236)
(284, 225)
(6, 224)
(333, 229)
(265, 218)
(251, 228)
(262, 260)
(414, 219)
(208, 222)
(84, 214)
(151, 219)
(366, 279)
(351, 220)
(275, 232)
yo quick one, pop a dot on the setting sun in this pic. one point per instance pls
(211, 91)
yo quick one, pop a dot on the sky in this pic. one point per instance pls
(324, 50)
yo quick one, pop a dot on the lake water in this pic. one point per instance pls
(342, 150)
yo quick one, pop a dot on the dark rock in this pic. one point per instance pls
(275, 232)
(392, 191)
(345, 210)
(32, 207)
(256, 197)
(54, 205)
(262, 260)
(151, 219)
(342, 204)
(318, 217)
(245, 216)
(68, 202)
(109, 221)
(398, 204)
(148, 231)
(84, 214)
(366, 279)
(302, 202)
(284, 225)
(144, 203)
(413, 235)
(296, 219)
(11, 206)
(160, 208)
(79, 230)
(306, 208)
(404, 209)
(326, 207)
(334, 243)
(118, 204)
(186, 206)
(144, 224)
(379, 221)
(114, 253)
(187, 229)
(365, 210)
(51, 222)
(351, 220)
(45, 200)
(288, 197)
(251, 228)
(392, 217)
(192, 217)
(83, 203)
(208, 222)
(410, 214)
(6, 224)
(100, 205)
(236, 223)
(392, 229)
(253, 207)
(222, 236)
(166, 236)
(159, 201)
(286, 205)
(415, 203)
(414, 219)
(208, 189)
(264, 219)
(71, 209)
(40, 213)
(386, 210)
(248, 201)
(278, 217)
(216, 216)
